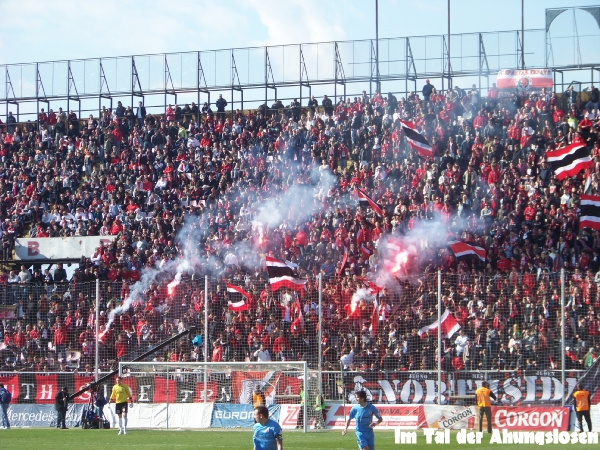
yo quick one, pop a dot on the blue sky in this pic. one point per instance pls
(39, 30)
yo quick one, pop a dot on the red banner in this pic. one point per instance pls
(47, 388)
(243, 384)
(80, 382)
(535, 418)
(288, 389)
(212, 391)
(165, 390)
(11, 384)
(524, 80)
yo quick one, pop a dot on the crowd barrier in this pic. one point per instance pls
(215, 415)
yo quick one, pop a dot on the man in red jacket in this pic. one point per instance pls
(60, 340)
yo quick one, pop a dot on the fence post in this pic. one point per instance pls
(168, 397)
(562, 333)
(206, 347)
(320, 335)
(96, 349)
(439, 337)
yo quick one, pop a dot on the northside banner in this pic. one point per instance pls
(422, 388)
(391, 388)
(31, 249)
(524, 80)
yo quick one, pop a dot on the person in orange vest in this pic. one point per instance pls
(582, 406)
(483, 395)
(258, 397)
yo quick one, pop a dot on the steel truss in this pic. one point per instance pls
(347, 65)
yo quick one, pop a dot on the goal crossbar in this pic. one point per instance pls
(154, 367)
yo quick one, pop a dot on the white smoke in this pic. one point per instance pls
(361, 294)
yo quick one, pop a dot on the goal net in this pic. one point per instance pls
(221, 394)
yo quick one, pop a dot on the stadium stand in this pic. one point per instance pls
(137, 178)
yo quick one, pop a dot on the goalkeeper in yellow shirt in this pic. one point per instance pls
(121, 394)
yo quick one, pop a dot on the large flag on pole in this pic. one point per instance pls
(297, 316)
(281, 275)
(364, 198)
(372, 286)
(344, 261)
(240, 305)
(570, 160)
(461, 249)
(374, 319)
(416, 140)
(589, 205)
(449, 325)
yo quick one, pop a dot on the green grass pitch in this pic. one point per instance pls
(76, 438)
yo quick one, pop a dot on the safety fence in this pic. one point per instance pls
(529, 334)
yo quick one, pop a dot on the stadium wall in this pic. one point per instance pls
(214, 415)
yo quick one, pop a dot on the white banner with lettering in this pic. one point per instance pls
(163, 416)
(31, 249)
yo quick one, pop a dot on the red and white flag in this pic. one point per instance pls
(344, 261)
(366, 251)
(282, 275)
(449, 325)
(297, 313)
(416, 140)
(374, 319)
(241, 305)
(524, 80)
(364, 198)
(461, 249)
(589, 207)
(372, 286)
(570, 160)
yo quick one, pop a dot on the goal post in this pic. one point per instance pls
(226, 388)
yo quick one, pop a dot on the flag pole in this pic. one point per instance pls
(320, 336)
(439, 338)
(562, 334)
(343, 389)
(206, 346)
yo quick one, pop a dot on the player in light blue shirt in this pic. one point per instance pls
(363, 413)
(267, 432)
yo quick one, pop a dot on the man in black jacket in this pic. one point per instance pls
(327, 105)
(60, 274)
(427, 90)
(221, 104)
(10, 120)
(120, 110)
(147, 137)
(61, 404)
(140, 114)
(296, 109)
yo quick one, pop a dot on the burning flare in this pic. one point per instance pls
(401, 259)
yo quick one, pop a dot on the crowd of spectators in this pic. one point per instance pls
(137, 178)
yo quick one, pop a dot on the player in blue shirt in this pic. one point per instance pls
(267, 432)
(363, 413)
